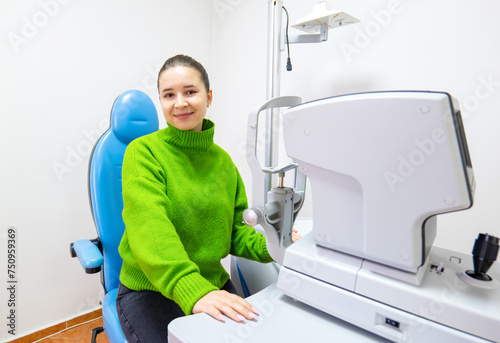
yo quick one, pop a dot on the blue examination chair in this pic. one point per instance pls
(133, 115)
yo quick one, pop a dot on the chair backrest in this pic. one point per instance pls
(133, 115)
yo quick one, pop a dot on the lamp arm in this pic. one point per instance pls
(305, 38)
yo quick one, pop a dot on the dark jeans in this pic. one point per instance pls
(145, 315)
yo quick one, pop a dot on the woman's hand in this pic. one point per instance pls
(219, 303)
(295, 235)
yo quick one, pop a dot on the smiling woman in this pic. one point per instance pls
(183, 202)
(184, 97)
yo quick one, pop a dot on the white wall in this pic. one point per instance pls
(443, 45)
(239, 74)
(57, 87)
(62, 64)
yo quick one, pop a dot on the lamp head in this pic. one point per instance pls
(322, 14)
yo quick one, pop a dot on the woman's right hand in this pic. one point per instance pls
(222, 303)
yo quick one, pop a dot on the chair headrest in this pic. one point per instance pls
(133, 115)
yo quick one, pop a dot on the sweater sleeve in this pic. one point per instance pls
(151, 243)
(246, 242)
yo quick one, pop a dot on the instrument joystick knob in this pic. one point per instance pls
(484, 253)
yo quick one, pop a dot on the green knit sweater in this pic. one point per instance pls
(183, 202)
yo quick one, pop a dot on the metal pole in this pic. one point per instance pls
(273, 84)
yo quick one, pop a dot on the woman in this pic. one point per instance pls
(183, 202)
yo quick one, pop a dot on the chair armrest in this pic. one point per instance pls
(89, 254)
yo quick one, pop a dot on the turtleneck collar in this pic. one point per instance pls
(191, 141)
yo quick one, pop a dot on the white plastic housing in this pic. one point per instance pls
(381, 166)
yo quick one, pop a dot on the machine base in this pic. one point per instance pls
(442, 308)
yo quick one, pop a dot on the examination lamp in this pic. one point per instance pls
(318, 22)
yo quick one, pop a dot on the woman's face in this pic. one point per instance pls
(183, 98)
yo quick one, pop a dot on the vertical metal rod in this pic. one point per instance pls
(273, 84)
(281, 177)
(270, 51)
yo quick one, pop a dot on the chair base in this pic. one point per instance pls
(95, 332)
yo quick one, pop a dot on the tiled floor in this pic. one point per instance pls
(80, 334)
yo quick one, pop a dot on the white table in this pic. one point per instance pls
(281, 319)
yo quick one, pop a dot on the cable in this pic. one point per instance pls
(288, 61)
